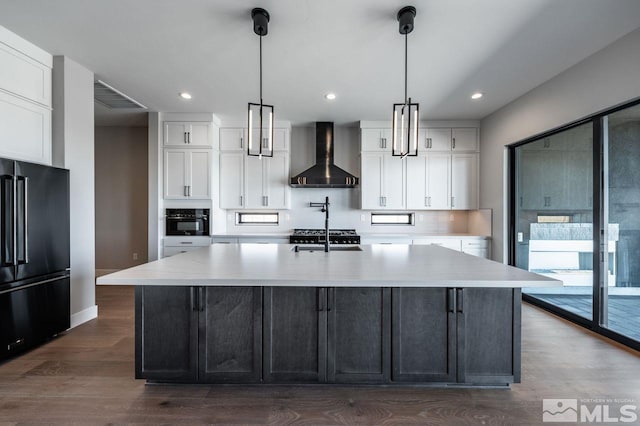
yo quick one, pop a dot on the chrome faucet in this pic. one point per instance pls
(325, 209)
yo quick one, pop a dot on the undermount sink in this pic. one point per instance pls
(321, 248)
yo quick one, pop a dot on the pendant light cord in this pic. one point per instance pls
(405, 68)
(261, 71)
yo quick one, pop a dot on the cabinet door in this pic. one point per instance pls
(439, 139)
(464, 139)
(464, 181)
(375, 140)
(371, 181)
(438, 181)
(26, 130)
(424, 335)
(176, 173)
(199, 134)
(176, 133)
(230, 334)
(488, 354)
(232, 140)
(200, 174)
(166, 333)
(254, 181)
(393, 183)
(295, 334)
(276, 185)
(579, 181)
(280, 139)
(530, 181)
(417, 197)
(231, 180)
(359, 323)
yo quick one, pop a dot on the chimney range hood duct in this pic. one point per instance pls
(324, 174)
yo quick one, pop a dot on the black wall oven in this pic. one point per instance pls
(187, 221)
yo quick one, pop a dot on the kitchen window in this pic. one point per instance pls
(257, 218)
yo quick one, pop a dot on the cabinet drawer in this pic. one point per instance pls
(186, 241)
(450, 243)
(475, 244)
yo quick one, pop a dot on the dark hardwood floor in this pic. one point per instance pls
(86, 376)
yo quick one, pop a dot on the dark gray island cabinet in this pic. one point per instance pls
(357, 335)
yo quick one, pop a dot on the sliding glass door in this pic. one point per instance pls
(554, 216)
(586, 235)
(621, 199)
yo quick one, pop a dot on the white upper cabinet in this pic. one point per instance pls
(233, 139)
(437, 139)
(251, 182)
(443, 176)
(25, 77)
(232, 180)
(188, 134)
(376, 140)
(267, 185)
(382, 182)
(187, 174)
(464, 139)
(464, 181)
(25, 130)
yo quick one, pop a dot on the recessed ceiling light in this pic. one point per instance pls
(185, 95)
(330, 96)
(476, 95)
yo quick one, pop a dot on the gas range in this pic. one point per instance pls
(317, 236)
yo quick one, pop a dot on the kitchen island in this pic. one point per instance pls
(384, 314)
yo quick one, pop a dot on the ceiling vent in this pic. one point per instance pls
(112, 98)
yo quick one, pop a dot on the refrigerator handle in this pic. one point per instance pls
(8, 218)
(25, 220)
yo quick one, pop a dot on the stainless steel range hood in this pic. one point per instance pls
(324, 174)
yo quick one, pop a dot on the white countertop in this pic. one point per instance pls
(376, 266)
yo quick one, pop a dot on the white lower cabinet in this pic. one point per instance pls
(175, 245)
(476, 246)
(383, 182)
(187, 174)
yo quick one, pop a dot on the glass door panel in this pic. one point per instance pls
(621, 216)
(554, 216)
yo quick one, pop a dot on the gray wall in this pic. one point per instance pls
(121, 196)
(73, 148)
(607, 78)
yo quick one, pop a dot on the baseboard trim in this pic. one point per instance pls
(84, 316)
(101, 272)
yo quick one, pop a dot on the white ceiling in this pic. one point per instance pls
(154, 49)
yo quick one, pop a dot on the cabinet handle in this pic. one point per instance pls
(201, 299)
(453, 141)
(381, 202)
(266, 197)
(320, 294)
(451, 298)
(189, 137)
(241, 200)
(460, 300)
(330, 298)
(520, 201)
(192, 298)
(186, 193)
(241, 142)
(186, 242)
(453, 201)
(184, 137)
(426, 201)
(189, 190)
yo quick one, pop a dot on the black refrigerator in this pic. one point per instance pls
(34, 254)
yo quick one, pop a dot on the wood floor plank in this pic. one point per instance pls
(85, 376)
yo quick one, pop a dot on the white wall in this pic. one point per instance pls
(73, 148)
(605, 79)
(121, 197)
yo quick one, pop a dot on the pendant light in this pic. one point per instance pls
(404, 137)
(261, 117)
